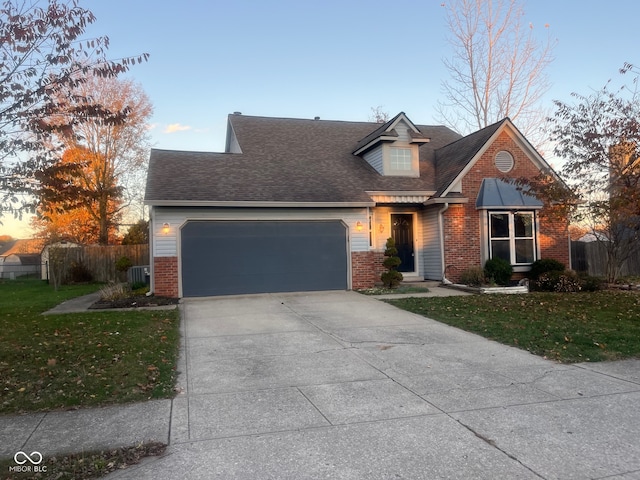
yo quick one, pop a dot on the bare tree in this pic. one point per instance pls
(498, 67)
(378, 115)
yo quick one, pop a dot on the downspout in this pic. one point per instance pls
(152, 225)
(441, 228)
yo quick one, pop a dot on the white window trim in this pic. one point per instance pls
(413, 171)
(518, 267)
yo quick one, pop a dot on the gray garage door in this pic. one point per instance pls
(235, 257)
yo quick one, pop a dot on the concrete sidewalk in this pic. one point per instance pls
(340, 385)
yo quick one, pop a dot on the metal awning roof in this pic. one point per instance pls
(497, 193)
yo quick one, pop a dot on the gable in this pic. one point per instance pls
(392, 149)
(485, 154)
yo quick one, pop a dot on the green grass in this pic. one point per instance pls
(578, 327)
(80, 359)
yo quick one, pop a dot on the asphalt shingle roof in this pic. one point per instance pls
(286, 160)
(451, 159)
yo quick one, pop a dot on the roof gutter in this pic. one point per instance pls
(254, 204)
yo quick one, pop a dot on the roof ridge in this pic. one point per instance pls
(477, 132)
(303, 119)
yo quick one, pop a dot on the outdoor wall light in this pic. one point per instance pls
(359, 226)
(165, 228)
(381, 228)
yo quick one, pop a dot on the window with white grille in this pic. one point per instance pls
(400, 158)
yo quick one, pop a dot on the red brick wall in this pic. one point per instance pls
(461, 238)
(366, 268)
(165, 276)
(462, 223)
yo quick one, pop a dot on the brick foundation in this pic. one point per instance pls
(165, 276)
(366, 268)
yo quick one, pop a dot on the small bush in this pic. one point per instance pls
(554, 281)
(591, 284)
(545, 265)
(498, 270)
(139, 286)
(568, 282)
(79, 273)
(545, 282)
(473, 276)
(123, 264)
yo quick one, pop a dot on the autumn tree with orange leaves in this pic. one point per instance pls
(44, 59)
(98, 176)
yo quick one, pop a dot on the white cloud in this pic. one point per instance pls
(176, 127)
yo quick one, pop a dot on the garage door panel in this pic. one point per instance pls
(234, 257)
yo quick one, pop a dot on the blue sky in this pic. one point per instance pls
(332, 59)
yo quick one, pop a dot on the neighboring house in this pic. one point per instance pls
(20, 257)
(19, 264)
(300, 205)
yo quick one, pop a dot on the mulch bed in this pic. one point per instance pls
(135, 302)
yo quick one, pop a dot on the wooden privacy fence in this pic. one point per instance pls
(591, 257)
(99, 260)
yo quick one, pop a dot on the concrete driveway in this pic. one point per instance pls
(337, 385)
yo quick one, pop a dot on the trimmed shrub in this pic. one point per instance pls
(498, 270)
(545, 265)
(391, 278)
(123, 264)
(473, 276)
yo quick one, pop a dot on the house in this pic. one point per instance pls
(20, 258)
(301, 205)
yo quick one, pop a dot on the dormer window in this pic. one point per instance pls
(392, 149)
(400, 158)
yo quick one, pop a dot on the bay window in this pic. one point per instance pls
(512, 236)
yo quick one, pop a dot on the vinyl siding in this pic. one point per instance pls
(374, 157)
(431, 251)
(403, 133)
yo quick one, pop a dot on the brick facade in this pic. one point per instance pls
(165, 274)
(462, 230)
(366, 268)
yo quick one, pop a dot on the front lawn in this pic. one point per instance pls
(80, 359)
(575, 327)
